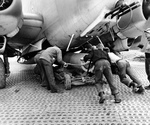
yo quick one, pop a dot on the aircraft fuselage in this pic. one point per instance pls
(62, 18)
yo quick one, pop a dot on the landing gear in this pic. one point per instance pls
(2, 75)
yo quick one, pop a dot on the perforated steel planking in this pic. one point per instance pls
(25, 102)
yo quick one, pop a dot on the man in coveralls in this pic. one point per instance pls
(126, 73)
(147, 58)
(46, 61)
(101, 60)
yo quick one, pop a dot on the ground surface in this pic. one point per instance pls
(133, 55)
(25, 102)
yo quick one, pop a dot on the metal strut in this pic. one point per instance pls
(100, 41)
(70, 42)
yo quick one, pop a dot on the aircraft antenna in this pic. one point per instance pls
(70, 42)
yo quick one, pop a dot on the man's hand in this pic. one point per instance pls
(82, 59)
(65, 65)
(106, 49)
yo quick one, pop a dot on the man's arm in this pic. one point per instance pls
(59, 58)
(87, 57)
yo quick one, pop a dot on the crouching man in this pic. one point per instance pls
(126, 73)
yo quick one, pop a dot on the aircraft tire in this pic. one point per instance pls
(2, 75)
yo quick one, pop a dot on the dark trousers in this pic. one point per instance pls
(103, 67)
(41, 72)
(147, 67)
(47, 69)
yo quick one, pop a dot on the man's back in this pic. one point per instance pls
(96, 55)
(52, 52)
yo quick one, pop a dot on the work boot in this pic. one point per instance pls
(140, 90)
(57, 91)
(44, 83)
(117, 98)
(133, 86)
(147, 87)
(102, 99)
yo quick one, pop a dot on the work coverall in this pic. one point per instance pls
(146, 49)
(147, 65)
(46, 60)
(124, 70)
(102, 66)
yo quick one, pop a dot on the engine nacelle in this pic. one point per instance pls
(131, 24)
(11, 17)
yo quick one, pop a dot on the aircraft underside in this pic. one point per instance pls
(69, 25)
